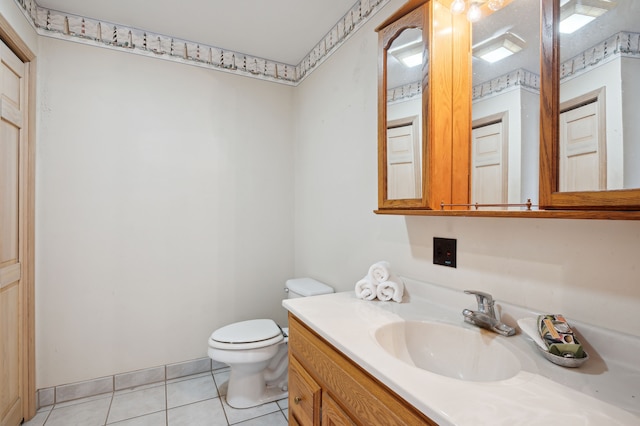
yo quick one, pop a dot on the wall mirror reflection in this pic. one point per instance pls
(407, 60)
(599, 129)
(505, 102)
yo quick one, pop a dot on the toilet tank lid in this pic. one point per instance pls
(308, 287)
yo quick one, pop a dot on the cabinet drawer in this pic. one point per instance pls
(364, 399)
(304, 396)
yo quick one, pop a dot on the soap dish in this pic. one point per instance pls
(565, 362)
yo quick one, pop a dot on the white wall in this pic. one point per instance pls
(12, 13)
(586, 269)
(166, 196)
(164, 209)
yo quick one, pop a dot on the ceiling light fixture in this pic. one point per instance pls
(574, 14)
(498, 48)
(409, 54)
(475, 13)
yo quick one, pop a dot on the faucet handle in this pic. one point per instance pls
(485, 301)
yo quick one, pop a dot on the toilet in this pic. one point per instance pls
(256, 352)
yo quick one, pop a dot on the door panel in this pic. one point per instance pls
(582, 165)
(488, 168)
(403, 173)
(12, 231)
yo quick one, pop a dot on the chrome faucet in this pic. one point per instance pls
(485, 316)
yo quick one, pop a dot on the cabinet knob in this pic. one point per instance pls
(297, 400)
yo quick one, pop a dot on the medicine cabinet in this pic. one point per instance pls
(422, 106)
(458, 108)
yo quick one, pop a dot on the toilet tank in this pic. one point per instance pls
(304, 287)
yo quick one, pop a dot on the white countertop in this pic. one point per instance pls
(604, 391)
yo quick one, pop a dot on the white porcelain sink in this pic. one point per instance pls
(448, 350)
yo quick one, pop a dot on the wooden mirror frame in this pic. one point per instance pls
(550, 198)
(449, 87)
(447, 159)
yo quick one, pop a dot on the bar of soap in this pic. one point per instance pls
(559, 337)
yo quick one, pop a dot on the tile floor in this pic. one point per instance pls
(196, 400)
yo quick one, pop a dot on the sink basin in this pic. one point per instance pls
(472, 355)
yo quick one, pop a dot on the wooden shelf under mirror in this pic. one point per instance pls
(447, 155)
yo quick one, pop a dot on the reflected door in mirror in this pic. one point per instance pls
(506, 85)
(599, 128)
(403, 160)
(406, 62)
(489, 169)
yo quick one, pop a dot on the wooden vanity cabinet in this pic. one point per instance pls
(304, 396)
(327, 388)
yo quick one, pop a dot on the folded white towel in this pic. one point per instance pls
(366, 289)
(392, 289)
(379, 271)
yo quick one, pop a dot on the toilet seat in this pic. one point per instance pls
(244, 335)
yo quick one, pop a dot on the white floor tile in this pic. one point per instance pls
(129, 404)
(273, 419)
(203, 413)
(188, 401)
(235, 415)
(283, 403)
(92, 413)
(155, 419)
(83, 400)
(39, 418)
(190, 391)
(221, 379)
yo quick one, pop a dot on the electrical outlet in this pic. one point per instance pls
(444, 251)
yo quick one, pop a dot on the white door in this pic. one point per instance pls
(403, 169)
(582, 155)
(12, 289)
(488, 165)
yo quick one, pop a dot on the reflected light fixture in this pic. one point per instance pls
(458, 6)
(409, 54)
(498, 48)
(574, 14)
(474, 13)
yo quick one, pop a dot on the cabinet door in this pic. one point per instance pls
(304, 396)
(332, 414)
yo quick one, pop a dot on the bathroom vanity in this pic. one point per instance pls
(358, 362)
(319, 375)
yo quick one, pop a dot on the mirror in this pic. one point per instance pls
(402, 108)
(515, 106)
(417, 160)
(407, 61)
(506, 104)
(589, 150)
(598, 124)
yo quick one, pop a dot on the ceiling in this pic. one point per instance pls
(279, 30)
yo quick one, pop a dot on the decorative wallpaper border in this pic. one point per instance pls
(519, 77)
(52, 23)
(622, 43)
(404, 93)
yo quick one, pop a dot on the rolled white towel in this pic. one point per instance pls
(380, 271)
(366, 289)
(392, 289)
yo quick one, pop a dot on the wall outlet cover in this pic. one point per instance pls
(444, 251)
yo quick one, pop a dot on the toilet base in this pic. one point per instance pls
(270, 394)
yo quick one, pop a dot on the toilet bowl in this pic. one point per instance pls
(256, 352)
